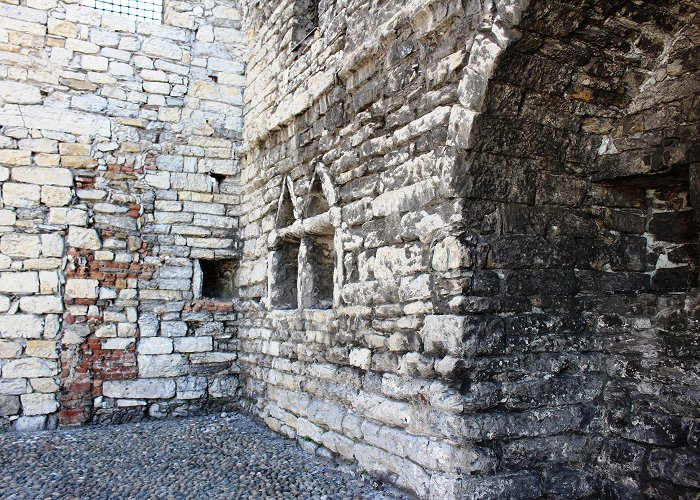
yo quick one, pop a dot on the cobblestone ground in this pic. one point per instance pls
(228, 457)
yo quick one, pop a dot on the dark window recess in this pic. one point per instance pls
(285, 211)
(218, 278)
(283, 282)
(317, 203)
(305, 23)
(317, 277)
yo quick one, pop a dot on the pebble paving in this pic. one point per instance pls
(228, 456)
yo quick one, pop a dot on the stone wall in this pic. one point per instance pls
(506, 189)
(120, 174)
(462, 241)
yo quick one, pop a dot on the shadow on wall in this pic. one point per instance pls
(582, 197)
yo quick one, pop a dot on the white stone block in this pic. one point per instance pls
(52, 245)
(29, 368)
(14, 387)
(193, 344)
(162, 365)
(443, 334)
(88, 102)
(63, 120)
(160, 47)
(21, 195)
(19, 283)
(9, 349)
(23, 326)
(45, 385)
(19, 93)
(155, 345)
(54, 196)
(94, 63)
(41, 304)
(29, 424)
(135, 389)
(361, 358)
(21, 245)
(38, 404)
(77, 288)
(43, 175)
(81, 237)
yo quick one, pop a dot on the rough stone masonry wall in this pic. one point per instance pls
(119, 172)
(509, 189)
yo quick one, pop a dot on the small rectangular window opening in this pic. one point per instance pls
(218, 278)
(149, 11)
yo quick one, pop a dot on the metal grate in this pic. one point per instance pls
(150, 11)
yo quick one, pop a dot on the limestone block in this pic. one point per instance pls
(160, 47)
(38, 145)
(19, 93)
(41, 304)
(62, 28)
(45, 385)
(191, 387)
(193, 344)
(9, 349)
(87, 102)
(42, 349)
(29, 424)
(38, 404)
(52, 245)
(14, 387)
(21, 245)
(140, 388)
(21, 326)
(74, 149)
(4, 303)
(47, 160)
(81, 237)
(48, 282)
(106, 331)
(155, 345)
(29, 368)
(94, 63)
(77, 288)
(156, 88)
(63, 120)
(7, 217)
(361, 358)
(19, 283)
(162, 365)
(161, 180)
(120, 69)
(54, 196)
(43, 175)
(21, 195)
(9, 405)
(173, 328)
(443, 334)
(150, 75)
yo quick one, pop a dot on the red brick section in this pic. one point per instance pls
(85, 367)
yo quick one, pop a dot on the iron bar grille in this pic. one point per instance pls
(150, 11)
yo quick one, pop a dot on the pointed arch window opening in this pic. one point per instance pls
(302, 257)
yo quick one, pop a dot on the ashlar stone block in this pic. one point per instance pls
(29, 368)
(38, 404)
(139, 389)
